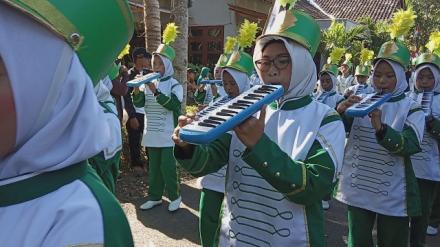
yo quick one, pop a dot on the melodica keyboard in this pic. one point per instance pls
(368, 104)
(226, 116)
(145, 79)
(214, 106)
(211, 82)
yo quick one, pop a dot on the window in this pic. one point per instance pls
(205, 45)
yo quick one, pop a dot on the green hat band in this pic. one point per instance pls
(330, 68)
(167, 51)
(363, 70)
(110, 21)
(241, 61)
(298, 26)
(426, 58)
(395, 51)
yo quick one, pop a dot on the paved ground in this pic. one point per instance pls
(157, 227)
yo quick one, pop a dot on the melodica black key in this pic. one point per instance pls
(226, 116)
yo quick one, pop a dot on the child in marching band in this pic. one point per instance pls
(162, 103)
(275, 184)
(326, 92)
(426, 164)
(49, 195)
(362, 74)
(327, 85)
(106, 163)
(205, 93)
(235, 77)
(377, 181)
(346, 79)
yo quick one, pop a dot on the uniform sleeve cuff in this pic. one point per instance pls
(390, 139)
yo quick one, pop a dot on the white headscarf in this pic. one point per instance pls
(334, 83)
(240, 78)
(169, 70)
(399, 71)
(434, 71)
(59, 121)
(303, 77)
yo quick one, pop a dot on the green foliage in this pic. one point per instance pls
(428, 20)
(376, 33)
(338, 36)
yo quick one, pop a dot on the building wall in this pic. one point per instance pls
(213, 13)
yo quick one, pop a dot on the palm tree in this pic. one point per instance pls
(152, 24)
(179, 15)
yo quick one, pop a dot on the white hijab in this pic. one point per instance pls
(59, 121)
(399, 71)
(334, 83)
(169, 70)
(434, 71)
(240, 78)
(303, 77)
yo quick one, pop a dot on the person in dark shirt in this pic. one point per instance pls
(135, 123)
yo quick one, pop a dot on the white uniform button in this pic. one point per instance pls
(277, 174)
(265, 165)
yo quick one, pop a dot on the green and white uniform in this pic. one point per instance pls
(213, 185)
(161, 113)
(377, 178)
(274, 190)
(331, 97)
(106, 163)
(426, 164)
(49, 195)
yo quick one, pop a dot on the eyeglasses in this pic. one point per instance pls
(280, 62)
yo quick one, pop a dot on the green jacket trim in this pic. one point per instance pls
(166, 78)
(397, 98)
(331, 118)
(403, 143)
(40, 185)
(205, 159)
(414, 110)
(303, 182)
(116, 228)
(295, 104)
(138, 99)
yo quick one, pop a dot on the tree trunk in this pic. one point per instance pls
(179, 15)
(152, 25)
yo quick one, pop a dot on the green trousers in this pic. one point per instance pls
(391, 231)
(162, 174)
(419, 224)
(107, 170)
(209, 222)
(434, 219)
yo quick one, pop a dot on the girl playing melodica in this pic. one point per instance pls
(377, 181)
(281, 164)
(162, 102)
(426, 164)
(235, 77)
(362, 73)
(327, 83)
